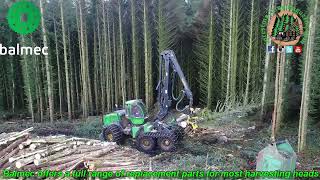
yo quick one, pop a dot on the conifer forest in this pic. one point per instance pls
(102, 53)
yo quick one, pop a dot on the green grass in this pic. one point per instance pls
(91, 128)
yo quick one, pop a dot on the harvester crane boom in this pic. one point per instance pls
(168, 69)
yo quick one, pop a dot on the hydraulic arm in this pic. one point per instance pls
(169, 69)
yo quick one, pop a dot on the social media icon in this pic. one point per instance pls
(297, 49)
(280, 49)
(289, 49)
(271, 49)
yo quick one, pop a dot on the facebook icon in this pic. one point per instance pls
(271, 49)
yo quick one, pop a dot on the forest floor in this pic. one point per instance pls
(245, 137)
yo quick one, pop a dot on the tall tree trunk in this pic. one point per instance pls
(279, 116)
(304, 108)
(39, 90)
(46, 102)
(227, 99)
(115, 71)
(27, 81)
(102, 69)
(71, 63)
(266, 68)
(107, 64)
(85, 100)
(110, 77)
(96, 69)
(122, 59)
(147, 57)
(234, 35)
(276, 116)
(13, 83)
(78, 69)
(210, 60)
(135, 62)
(249, 55)
(280, 83)
(87, 67)
(66, 62)
(58, 66)
(223, 76)
(48, 69)
(275, 110)
(34, 64)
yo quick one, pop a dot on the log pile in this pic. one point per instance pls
(21, 151)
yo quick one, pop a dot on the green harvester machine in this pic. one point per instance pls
(148, 133)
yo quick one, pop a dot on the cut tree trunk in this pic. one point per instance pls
(14, 145)
(23, 162)
(5, 162)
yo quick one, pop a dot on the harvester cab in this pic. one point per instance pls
(135, 111)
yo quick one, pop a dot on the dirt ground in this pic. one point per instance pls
(246, 138)
(242, 137)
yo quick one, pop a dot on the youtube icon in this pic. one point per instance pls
(297, 49)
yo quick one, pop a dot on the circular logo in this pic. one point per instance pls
(285, 28)
(284, 25)
(24, 17)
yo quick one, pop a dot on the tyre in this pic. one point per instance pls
(113, 133)
(146, 143)
(179, 132)
(167, 142)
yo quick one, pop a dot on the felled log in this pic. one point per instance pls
(25, 144)
(127, 168)
(45, 140)
(92, 142)
(72, 152)
(54, 139)
(51, 150)
(101, 152)
(79, 164)
(40, 161)
(23, 162)
(106, 163)
(75, 158)
(7, 157)
(15, 136)
(64, 160)
(58, 153)
(14, 145)
(85, 149)
(25, 155)
(34, 146)
(5, 165)
(66, 165)
(3, 135)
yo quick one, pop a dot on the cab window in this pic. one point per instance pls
(136, 112)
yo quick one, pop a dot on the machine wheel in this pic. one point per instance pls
(167, 142)
(113, 133)
(179, 132)
(146, 143)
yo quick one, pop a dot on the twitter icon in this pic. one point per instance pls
(289, 49)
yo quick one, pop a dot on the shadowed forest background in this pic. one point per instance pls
(102, 53)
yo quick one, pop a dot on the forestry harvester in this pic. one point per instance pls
(152, 133)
